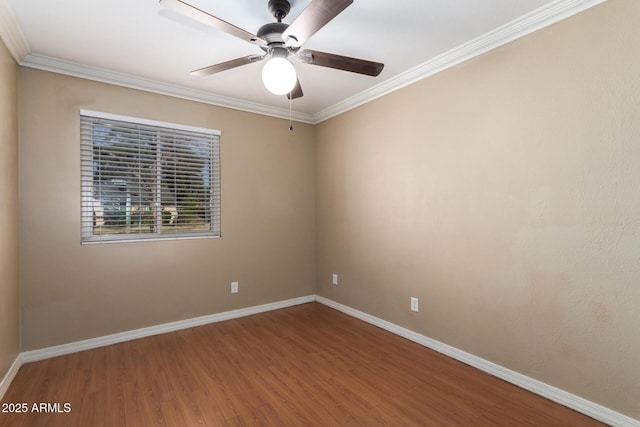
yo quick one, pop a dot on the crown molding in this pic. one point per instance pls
(544, 16)
(11, 34)
(519, 27)
(47, 63)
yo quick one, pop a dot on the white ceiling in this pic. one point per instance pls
(139, 43)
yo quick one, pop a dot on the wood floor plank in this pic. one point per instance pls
(303, 365)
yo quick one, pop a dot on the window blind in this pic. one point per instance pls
(144, 179)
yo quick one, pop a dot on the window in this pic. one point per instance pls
(144, 179)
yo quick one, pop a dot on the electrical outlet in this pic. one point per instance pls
(234, 287)
(414, 304)
(334, 279)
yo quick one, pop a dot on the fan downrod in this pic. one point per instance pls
(279, 8)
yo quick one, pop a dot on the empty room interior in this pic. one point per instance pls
(439, 224)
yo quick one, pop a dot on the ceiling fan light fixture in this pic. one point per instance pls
(278, 74)
(278, 40)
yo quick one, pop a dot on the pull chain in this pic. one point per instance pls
(290, 124)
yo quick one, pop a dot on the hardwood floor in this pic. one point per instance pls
(304, 365)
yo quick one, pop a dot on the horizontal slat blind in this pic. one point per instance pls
(147, 180)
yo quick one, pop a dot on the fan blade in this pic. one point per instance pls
(296, 92)
(340, 62)
(315, 16)
(193, 12)
(212, 69)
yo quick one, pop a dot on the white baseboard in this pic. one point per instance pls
(11, 374)
(59, 350)
(562, 397)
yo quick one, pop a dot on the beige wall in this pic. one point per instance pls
(72, 292)
(9, 303)
(503, 193)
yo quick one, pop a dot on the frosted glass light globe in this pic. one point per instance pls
(279, 76)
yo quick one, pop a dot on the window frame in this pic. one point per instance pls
(86, 183)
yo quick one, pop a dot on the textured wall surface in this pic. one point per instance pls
(503, 193)
(72, 292)
(9, 302)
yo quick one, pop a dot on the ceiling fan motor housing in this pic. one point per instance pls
(272, 33)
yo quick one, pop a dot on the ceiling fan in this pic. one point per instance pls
(278, 40)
